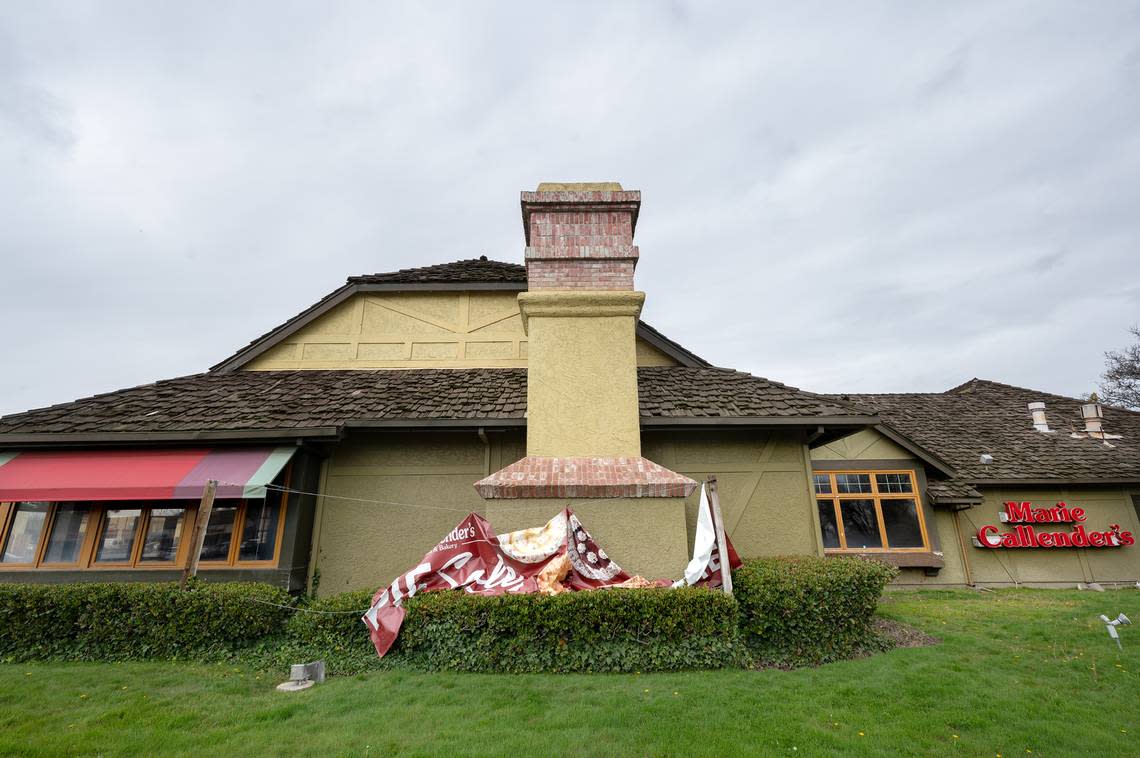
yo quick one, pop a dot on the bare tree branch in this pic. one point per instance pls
(1120, 382)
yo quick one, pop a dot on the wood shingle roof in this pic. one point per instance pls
(285, 400)
(985, 417)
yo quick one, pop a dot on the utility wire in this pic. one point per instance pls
(278, 488)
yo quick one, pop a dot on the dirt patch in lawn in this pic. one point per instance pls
(897, 634)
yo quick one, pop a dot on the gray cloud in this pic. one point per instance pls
(874, 198)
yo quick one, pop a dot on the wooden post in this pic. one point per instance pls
(205, 507)
(721, 542)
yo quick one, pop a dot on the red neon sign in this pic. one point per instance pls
(1025, 517)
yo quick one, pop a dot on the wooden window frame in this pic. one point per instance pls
(8, 518)
(233, 559)
(84, 547)
(97, 519)
(135, 561)
(876, 497)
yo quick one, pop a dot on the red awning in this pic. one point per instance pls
(157, 474)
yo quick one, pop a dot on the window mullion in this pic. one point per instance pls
(239, 529)
(876, 499)
(838, 512)
(140, 536)
(838, 501)
(918, 510)
(41, 547)
(881, 523)
(91, 539)
(5, 511)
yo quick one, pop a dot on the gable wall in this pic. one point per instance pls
(416, 330)
(866, 444)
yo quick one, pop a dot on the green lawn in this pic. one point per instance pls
(1018, 673)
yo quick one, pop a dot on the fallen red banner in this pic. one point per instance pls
(559, 556)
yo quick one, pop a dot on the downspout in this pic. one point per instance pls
(318, 518)
(962, 549)
(819, 430)
(486, 451)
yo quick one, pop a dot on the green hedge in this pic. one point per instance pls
(792, 611)
(125, 621)
(333, 622)
(800, 610)
(605, 630)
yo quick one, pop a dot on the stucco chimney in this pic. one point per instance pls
(580, 314)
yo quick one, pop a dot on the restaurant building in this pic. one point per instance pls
(349, 439)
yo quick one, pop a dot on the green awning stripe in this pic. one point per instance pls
(255, 487)
(5, 457)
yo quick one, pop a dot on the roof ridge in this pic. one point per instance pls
(883, 394)
(961, 386)
(1044, 393)
(515, 268)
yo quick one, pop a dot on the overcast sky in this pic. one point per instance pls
(843, 196)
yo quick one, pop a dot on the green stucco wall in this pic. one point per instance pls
(1057, 566)
(765, 497)
(763, 483)
(866, 444)
(363, 545)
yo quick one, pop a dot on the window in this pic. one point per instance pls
(872, 511)
(258, 524)
(25, 527)
(139, 534)
(68, 531)
(163, 532)
(117, 538)
(219, 534)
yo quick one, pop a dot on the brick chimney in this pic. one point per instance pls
(580, 313)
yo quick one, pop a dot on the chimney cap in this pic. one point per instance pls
(579, 197)
(579, 187)
(1092, 410)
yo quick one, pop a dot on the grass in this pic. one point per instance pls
(1019, 672)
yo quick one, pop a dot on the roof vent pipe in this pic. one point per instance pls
(1093, 415)
(1037, 411)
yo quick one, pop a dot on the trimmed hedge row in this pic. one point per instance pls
(799, 610)
(786, 611)
(610, 630)
(606, 630)
(125, 621)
